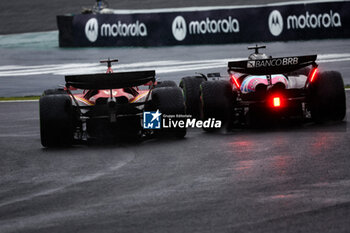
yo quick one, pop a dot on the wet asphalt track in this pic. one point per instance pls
(293, 179)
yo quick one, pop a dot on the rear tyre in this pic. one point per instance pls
(191, 90)
(54, 91)
(327, 97)
(56, 120)
(217, 98)
(170, 101)
(166, 83)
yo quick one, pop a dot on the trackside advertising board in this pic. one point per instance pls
(283, 22)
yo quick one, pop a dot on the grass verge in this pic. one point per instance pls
(19, 98)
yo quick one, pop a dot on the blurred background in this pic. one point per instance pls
(40, 15)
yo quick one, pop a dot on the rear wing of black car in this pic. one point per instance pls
(110, 80)
(277, 65)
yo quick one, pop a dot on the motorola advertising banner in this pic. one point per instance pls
(219, 26)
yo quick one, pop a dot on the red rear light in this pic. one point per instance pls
(313, 74)
(235, 81)
(276, 101)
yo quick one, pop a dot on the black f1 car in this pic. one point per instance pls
(263, 88)
(106, 107)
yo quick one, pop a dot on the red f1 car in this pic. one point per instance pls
(265, 89)
(106, 107)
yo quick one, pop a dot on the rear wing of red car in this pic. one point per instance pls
(110, 80)
(277, 65)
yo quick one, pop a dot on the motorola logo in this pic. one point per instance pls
(205, 26)
(307, 21)
(91, 30)
(179, 28)
(275, 23)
